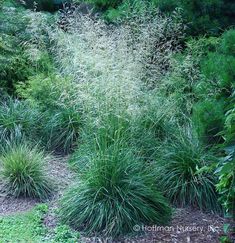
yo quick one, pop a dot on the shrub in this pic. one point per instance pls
(21, 32)
(47, 92)
(228, 42)
(208, 118)
(202, 17)
(116, 193)
(185, 173)
(14, 66)
(40, 5)
(219, 70)
(229, 127)
(24, 173)
(105, 4)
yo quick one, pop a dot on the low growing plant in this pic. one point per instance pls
(23, 171)
(185, 173)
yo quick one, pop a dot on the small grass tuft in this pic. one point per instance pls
(23, 172)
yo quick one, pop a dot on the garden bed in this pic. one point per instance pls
(187, 225)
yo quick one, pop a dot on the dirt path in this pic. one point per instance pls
(188, 226)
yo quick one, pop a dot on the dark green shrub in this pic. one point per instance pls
(105, 4)
(229, 133)
(202, 17)
(219, 70)
(185, 173)
(23, 172)
(14, 64)
(21, 31)
(228, 42)
(117, 192)
(208, 119)
(40, 5)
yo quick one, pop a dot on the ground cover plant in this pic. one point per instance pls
(26, 227)
(138, 97)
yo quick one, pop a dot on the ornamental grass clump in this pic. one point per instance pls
(112, 70)
(23, 172)
(186, 173)
(116, 193)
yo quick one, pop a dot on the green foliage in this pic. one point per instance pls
(226, 185)
(19, 56)
(61, 129)
(47, 92)
(105, 4)
(202, 17)
(129, 9)
(116, 193)
(185, 173)
(61, 119)
(219, 70)
(152, 127)
(15, 66)
(208, 118)
(229, 133)
(79, 161)
(40, 5)
(17, 119)
(228, 42)
(24, 227)
(63, 234)
(23, 170)
(226, 167)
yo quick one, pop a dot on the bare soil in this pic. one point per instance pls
(187, 226)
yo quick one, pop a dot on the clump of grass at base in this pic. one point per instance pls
(185, 172)
(116, 193)
(24, 173)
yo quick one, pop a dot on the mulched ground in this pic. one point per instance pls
(187, 226)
